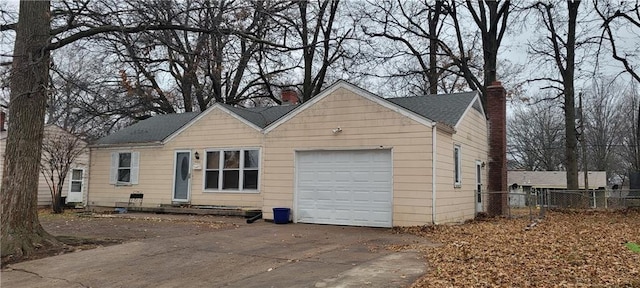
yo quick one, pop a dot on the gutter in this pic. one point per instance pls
(127, 145)
(434, 152)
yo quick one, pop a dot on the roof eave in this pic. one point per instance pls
(119, 145)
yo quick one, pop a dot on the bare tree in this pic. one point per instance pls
(491, 18)
(560, 49)
(616, 16)
(630, 142)
(602, 125)
(416, 31)
(212, 65)
(535, 136)
(424, 46)
(310, 29)
(60, 150)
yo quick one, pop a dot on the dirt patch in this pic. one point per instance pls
(575, 249)
(81, 231)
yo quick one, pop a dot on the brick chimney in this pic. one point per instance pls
(3, 118)
(497, 113)
(289, 97)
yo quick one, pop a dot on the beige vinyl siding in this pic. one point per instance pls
(216, 130)
(44, 193)
(458, 203)
(365, 125)
(105, 194)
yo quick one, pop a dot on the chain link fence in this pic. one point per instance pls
(534, 203)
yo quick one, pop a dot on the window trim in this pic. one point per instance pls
(221, 169)
(115, 168)
(457, 166)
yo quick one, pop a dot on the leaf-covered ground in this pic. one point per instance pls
(565, 249)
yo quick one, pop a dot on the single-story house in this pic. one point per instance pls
(74, 189)
(522, 182)
(345, 157)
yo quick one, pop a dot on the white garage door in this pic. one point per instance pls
(344, 187)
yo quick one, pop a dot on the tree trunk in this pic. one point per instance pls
(56, 204)
(636, 161)
(434, 18)
(571, 150)
(21, 229)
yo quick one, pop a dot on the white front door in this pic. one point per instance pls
(76, 186)
(479, 206)
(182, 176)
(351, 187)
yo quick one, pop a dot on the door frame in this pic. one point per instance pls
(82, 188)
(479, 198)
(175, 166)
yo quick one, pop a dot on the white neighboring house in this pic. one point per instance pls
(75, 186)
(522, 182)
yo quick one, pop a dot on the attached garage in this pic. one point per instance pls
(344, 187)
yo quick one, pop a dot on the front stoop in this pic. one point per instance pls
(190, 209)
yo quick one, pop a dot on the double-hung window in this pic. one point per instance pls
(457, 166)
(232, 170)
(124, 168)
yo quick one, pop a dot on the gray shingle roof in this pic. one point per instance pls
(158, 128)
(262, 116)
(445, 108)
(151, 130)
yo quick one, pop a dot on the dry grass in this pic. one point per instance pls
(566, 249)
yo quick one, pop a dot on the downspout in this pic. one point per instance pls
(88, 169)
(434, 153)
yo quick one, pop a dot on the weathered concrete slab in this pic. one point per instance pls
(257, 255)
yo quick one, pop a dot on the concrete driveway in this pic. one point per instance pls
(257, 255)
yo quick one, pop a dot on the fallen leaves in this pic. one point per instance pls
(564, 250)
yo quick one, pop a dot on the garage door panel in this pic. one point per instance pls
(344, 187)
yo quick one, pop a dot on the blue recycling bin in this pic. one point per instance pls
(281, 215)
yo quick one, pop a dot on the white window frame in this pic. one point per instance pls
(71, 181)
(241, 170)
(457, 166)
(115, 168)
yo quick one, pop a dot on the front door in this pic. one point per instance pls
(182, 176)
(479, 206)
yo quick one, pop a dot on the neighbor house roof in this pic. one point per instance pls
(445, 108)
(554, 179)
(151, 130)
